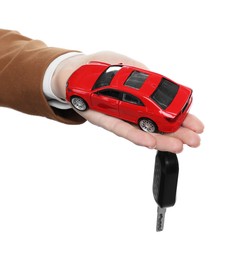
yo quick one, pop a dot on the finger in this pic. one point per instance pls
(139, 137)
(120, 128)
(134, 134)
(114, 58)
(193, 123)
(187, 136)
(168, 143)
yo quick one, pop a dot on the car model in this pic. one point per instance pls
(152, 101)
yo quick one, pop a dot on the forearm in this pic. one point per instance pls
(23, 63)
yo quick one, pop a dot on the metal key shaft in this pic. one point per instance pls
(160, 218)
(166, 172)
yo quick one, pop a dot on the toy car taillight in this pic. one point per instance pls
(180, 116)
(187, 104)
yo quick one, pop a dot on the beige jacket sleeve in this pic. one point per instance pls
(23, 63)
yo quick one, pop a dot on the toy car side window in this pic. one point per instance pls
(136, 79)
(131, 99)
(106, 77)
(110, 93)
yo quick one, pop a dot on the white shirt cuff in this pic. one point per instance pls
(52, 99)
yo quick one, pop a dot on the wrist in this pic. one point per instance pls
(63, 72)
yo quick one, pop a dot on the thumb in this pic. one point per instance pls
(114, 58)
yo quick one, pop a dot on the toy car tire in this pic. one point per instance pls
(147, 125)
(79, 103)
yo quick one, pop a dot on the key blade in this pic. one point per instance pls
(160, 218)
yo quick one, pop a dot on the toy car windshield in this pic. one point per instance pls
(106, 77)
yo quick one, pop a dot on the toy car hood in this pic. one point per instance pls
(88, 74)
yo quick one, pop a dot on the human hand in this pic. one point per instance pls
(187, 134)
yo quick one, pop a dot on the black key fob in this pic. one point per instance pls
(166, 173)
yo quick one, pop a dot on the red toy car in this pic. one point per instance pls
(139, 96)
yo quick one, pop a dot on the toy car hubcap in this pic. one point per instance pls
(147, 125)
(79, 103)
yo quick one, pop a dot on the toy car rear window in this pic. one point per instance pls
(165, 93)
(136, 79)
(106, 77)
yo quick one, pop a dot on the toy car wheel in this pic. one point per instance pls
(147, 125)
(79, 103)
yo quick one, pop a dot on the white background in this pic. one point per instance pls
(79, 192)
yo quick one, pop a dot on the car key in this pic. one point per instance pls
(165, 180)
